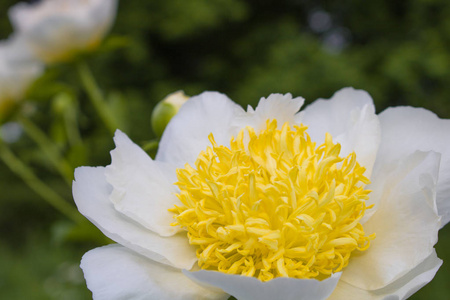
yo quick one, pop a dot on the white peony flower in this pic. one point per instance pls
(18, 70)
(255, 205)
(57, 29)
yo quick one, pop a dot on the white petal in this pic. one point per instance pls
(402, 288)
(345, 291)
(114, 272)
(168, 170)
(249, 288)
(91, 194)
(406, 224)
(349, 116)
(186, 135)
(140, 189)
(407, 129)
(283, 108)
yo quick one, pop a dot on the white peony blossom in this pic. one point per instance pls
(57, 29)
(272, 203)
(18, 70)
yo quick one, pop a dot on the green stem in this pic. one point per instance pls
(96, 96)
(73, 132)
(27, 175)
(48, 148)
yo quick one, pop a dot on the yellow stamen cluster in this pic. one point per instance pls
(275, 206)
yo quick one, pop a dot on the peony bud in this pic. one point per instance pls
(165, 110)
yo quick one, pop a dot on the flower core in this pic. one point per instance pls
(274, 206)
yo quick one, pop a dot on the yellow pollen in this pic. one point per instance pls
(275, 206)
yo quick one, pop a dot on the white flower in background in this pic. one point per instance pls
(18, 70)
(235, 198)
(57, 29)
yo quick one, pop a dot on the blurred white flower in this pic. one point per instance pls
(235, 198)
(57, 29)
(18, 70)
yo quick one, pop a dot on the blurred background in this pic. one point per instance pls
(398, 51)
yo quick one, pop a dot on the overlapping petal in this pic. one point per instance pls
(140, 189)
(91, 194)
(187, 133)
(406, 224)
(282, 108)
(349, 116)
(114, 272)
(400, 289)
(247, 288)
(407, 129)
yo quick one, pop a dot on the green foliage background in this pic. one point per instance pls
(399, 51)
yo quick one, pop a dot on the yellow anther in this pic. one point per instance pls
(274, 205)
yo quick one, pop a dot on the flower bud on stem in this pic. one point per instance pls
(165, 110)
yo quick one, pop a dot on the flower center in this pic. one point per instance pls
(275, 206)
